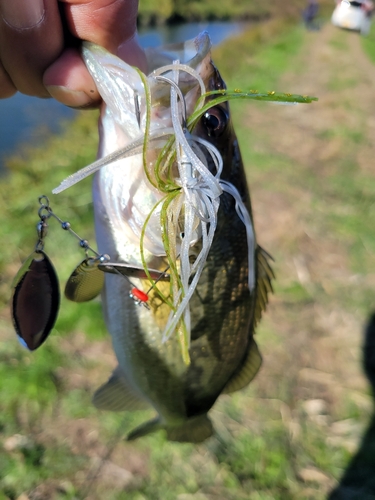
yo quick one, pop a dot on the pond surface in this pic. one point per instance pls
(152, 37)
(25, 120)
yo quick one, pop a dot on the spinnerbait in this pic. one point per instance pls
(36, 294)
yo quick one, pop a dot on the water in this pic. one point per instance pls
(152, 37)
(24, 119)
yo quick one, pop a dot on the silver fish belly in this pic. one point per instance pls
(225, 307)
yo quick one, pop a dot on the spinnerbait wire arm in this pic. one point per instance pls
(67, 227)
(137, 295)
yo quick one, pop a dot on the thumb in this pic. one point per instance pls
(109, 23)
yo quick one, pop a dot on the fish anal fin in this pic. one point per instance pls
(117, 395)
(247, 371)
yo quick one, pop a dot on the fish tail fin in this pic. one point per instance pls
(145, 429)
(193, 430)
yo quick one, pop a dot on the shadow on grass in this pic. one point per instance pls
(358, 481)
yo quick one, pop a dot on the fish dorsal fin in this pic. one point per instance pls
(117, 395)
(265, 275)
(247, 371)
(253, 360)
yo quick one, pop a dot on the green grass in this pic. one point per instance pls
(241, 10)
(260, 63)
(368, 43)
(197, 10)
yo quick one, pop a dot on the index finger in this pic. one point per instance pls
(109, 23)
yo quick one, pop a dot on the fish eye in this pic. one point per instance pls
(215, 121)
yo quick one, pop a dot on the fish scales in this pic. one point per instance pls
(224, 312)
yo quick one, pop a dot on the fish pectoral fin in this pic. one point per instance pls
(247, 371)
(117, 395)
(193, 430)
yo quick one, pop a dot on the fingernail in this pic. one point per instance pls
(72, 98)
(21, 14)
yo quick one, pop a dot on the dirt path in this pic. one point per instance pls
(335, 68)
(320, 335)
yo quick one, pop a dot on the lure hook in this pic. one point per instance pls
(137, 109)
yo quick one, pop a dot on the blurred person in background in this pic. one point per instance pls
(368, 7)
(309, 15)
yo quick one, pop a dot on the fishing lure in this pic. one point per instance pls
(36, 294)
(36, 291)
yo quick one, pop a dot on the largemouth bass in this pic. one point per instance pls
(183, 350)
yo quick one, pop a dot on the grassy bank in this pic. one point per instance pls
(243, 10)
(368, 43)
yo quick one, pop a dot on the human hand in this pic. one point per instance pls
(36, 59)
